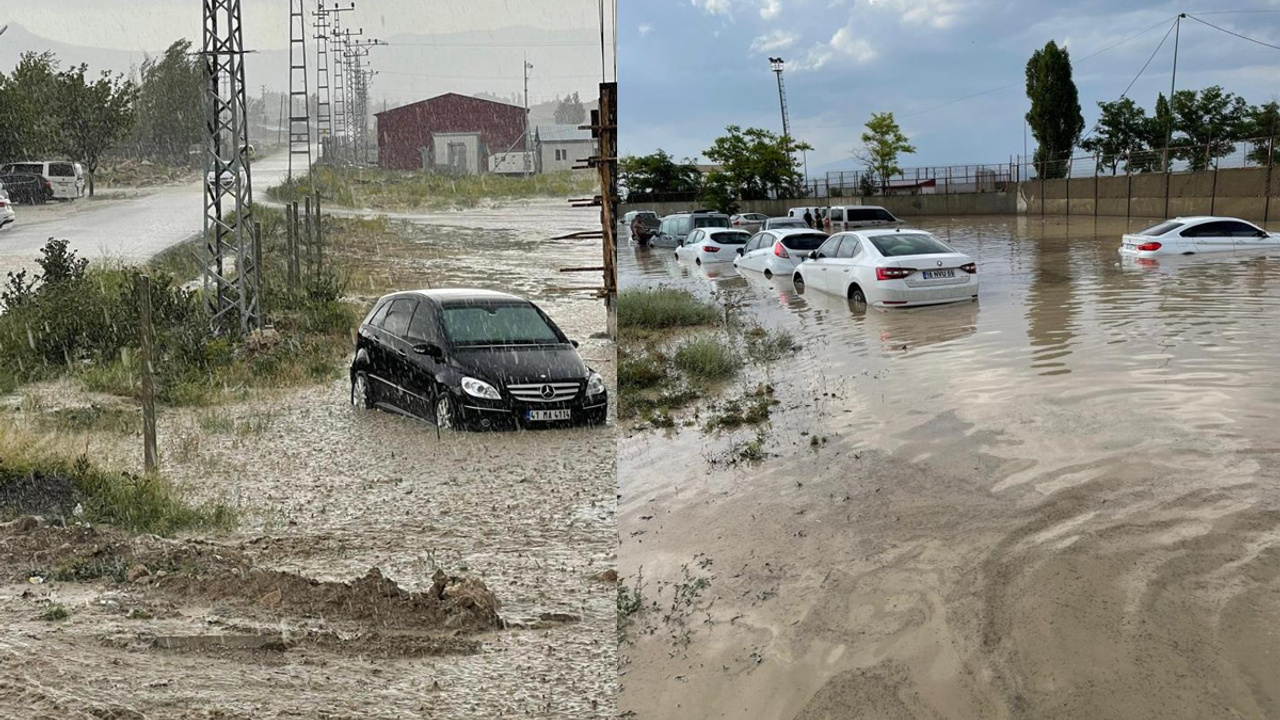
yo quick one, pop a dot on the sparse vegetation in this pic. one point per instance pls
(663, 308)
(55, 613)
(707, 358)
(405, 191)
(751, 409)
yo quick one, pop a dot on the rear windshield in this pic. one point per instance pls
(497, 325)
(899, 244)
(61, 170)
(870, 214)
(1161, 229)
(710, 221)
(733, 237)
(787, 223)
(804, 241)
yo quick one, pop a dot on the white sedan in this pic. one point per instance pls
(712, 245)
(889, 268)
(778, 252)
(1193, 235)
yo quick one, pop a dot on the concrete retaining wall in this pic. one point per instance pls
(1240, 192)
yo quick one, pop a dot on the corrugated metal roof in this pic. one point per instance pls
(562, 133)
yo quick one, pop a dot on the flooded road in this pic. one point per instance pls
(1057, 502)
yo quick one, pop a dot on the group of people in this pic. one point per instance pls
(817, 222)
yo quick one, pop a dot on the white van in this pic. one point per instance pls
(65, 177)
(855, 217)
(819, 214)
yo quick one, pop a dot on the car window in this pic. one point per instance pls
(731, 237)
(397, 320)
(848, 248)
(1239, 229)
(422, 328)
(683, 225)
(828, 248)
(1160, 229)
(837, 214)
(505, 324)
(377, 314)
(899, 244)
(711, 221)
(870, 214)
(804, 241)
(61, 170)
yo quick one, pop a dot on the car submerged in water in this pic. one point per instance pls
(889, 268)
(1195, 235)
(472, 359)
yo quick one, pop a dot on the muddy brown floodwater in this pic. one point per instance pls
(1058, 502)
(329, 492)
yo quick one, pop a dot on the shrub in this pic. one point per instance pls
(658, 308)
(707, 358)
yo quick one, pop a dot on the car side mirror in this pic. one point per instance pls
(740, 250)
(431, 350)
(1263, 233)
(573, 343)
(813, 255)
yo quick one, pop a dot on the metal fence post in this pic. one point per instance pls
(150, 461)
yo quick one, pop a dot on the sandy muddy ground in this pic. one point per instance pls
(1059, 502)
(330, 492)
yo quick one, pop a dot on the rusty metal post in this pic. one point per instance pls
(319, 236)
(306, 233)
(147, 395)
(257, 278)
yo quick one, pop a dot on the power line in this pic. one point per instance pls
(459, 44)
(484, 77)
(1135, 77)
(1242, 37)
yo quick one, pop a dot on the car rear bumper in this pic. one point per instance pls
(915, 297)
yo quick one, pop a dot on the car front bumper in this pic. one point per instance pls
(509, 413)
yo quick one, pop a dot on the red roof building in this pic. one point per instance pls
(448, 133)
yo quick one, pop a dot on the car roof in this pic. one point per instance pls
(460, 295)
(783, 232)
(877, 232)
(861, 207)
(1205, 218)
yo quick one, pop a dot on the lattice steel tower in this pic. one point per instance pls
(299, 97)
(324, 111)
(231, 287)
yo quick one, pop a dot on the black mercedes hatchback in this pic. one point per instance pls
(472, 359)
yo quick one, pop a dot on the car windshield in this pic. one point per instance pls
(733, 237)
(711, 221)
(870, 214)
(804, 241)
(900, 244)
(497, 324)
(1161, 229)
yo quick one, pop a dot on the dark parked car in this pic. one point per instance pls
(28, 188)
(644, 225)
(472, 359)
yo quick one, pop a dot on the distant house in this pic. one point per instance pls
(449, 133)
(561, 147)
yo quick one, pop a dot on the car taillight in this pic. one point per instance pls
(780, 250)
(892, 273)
(1149, 246)
(971, 268)
(710, 248)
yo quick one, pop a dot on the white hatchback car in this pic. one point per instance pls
(889, 268)
(1194, 235)
(712, 245)
(778, 252)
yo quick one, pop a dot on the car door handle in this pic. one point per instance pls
(402, 353)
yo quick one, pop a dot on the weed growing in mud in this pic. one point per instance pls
(639, 373)
(707, 359)
(751, 409)
(630, 602)
(769, 345)
(663, 308)
(404, 191)
(741, 452)
(55, 613)
(686, 598)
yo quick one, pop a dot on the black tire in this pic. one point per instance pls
(446, 412)
(697, 261)
(857, 297)
(798, 281)
(768, 274)
(361, 394)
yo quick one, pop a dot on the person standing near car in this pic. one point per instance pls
(808, 218)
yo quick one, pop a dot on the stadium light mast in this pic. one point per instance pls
(776, 63)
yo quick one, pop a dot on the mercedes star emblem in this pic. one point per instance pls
(548, 392)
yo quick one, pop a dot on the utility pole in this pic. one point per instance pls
(263, 89)
(527, 67)
(1168, 138)
(338, 74)
(299, 97)
(324, 107)
(776, 63)
(230, 292)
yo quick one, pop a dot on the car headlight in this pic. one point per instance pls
(480, 389)
(595, 384)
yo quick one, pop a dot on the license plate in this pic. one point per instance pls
(547, 415)
(1128, 246)
(935, 274)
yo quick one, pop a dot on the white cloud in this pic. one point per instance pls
(776, 40)
(857, 48)
(771, 9)
(937, 14)
(713, 7)
(645, 29)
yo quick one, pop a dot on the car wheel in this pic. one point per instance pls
(446, 413)
(798, 281)
(857, 297)
(360, 396)
(768, 274)
(697, 261)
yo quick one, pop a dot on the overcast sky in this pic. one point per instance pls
(563, 43)
(690, 67)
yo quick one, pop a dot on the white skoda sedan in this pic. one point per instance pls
(889, 268)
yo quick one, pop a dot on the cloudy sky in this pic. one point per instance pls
(689, 67)
(449, 45)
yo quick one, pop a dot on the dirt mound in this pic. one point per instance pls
(217, 574)
(36, 494)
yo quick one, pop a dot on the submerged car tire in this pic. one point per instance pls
(768, 274)
(446, 412)
(857, 297)
(697, 261)
(360, 395)
(798, 281)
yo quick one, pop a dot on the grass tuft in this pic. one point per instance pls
(708, 359)
(660, 308)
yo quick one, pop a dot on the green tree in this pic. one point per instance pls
(718, 192)
(646, 176)
(1206, 125)
(1260, 126)
(170, 106)
(93, 116)
(26, 128)
(570, 111)
(1122, 130)
(1054, 118)
(882, 143)
(757, 163)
